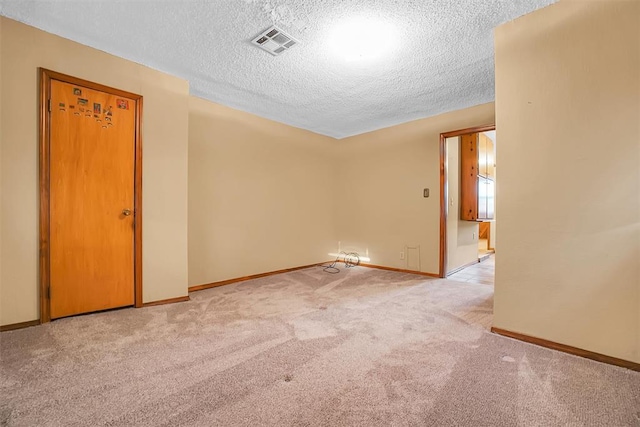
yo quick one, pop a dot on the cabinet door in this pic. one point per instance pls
(469, 177)
(482, 154)
(491, 160)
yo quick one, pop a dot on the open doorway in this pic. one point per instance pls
(467, 202)
(486, 228)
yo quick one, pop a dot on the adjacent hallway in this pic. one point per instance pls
(482, 272)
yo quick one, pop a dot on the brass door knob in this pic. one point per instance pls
(126, 212)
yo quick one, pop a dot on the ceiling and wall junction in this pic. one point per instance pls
(412, 59)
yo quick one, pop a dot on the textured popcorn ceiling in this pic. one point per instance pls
(441, 58)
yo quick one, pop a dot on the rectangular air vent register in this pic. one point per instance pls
(274, 40)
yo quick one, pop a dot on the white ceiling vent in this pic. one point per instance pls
(274, 40)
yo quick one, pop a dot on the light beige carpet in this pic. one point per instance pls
(364, 347)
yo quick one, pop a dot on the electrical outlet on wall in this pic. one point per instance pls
(473, 236)
(401, 255)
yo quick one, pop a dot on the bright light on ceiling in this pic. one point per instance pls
(361, 39)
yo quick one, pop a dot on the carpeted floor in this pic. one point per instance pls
(364, 347)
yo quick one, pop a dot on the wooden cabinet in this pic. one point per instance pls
(477, 178)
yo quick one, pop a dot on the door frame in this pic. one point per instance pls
(46, 76)
(444, 188)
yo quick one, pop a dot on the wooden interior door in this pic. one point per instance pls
(92, 146)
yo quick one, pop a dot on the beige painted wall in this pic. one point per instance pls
(1, 21)
(380, 182)
(261, 194)
(165, 136)
(568, 117)
(462, 236)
